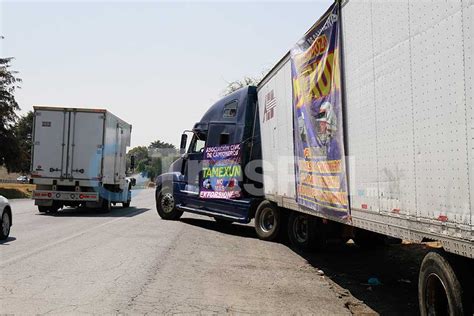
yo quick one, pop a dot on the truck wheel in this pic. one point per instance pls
(268, 221)
(106, 206)
(304, 232)
(300, 230)
(43, 209)
(165, 205)
(126, 204)
(439, 288)
(6, 223)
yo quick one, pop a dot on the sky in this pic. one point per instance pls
(157, 65)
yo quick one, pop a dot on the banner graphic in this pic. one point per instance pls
(318, 134)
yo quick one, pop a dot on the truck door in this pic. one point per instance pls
(193, 163)
(50, 143)
(86, 145)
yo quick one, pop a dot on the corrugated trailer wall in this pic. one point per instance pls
(276, 124)
(409, 112)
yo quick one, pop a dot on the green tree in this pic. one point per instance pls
(23, 131)
(141, 157)
(9, 82)
(158, 144)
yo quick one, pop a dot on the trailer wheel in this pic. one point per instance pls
(6, 223)
(301, 231)
(165, 205)
(268, 221)
(439, 288)
(305, 232)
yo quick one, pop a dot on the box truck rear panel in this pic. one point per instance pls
(79, 144)
(50, 137)
(86, 150)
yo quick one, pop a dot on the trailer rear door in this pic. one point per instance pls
(50, 141)
(87, 129)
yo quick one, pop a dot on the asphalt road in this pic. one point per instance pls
(129, 261)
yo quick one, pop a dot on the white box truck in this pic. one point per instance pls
(79, 158)
(364, 130)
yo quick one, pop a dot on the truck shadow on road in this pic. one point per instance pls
(5, 241)
(392, 270)
(229, 229)
(85, 212)
(350, 267)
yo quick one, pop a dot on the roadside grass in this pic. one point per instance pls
(16, 190)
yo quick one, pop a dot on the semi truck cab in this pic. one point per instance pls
(231, 120)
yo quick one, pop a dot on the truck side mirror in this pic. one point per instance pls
(184, 141)
(132, 162)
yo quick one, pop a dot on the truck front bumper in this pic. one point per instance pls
(65, 196)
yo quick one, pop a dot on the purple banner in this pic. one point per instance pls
(318, 134)
(221, 173)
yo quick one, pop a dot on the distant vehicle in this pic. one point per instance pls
(22, 179)
(396, 100)
(78, 158)
(6, 219)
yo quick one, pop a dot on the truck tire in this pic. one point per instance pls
(106, 206)
(5, 225)
(268, 221)
(440, 290)
(306, 232)
(126, 204)
(43, 209)
(165, 205)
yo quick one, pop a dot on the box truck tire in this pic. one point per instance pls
(165, 205)
(43, 209)
(268, 221)
(439, 287)
(106, 206)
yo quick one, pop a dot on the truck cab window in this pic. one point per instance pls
(224, 139)
(197, 144)
(230, 109)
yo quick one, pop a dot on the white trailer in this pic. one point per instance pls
(78, 158)
(407, 70)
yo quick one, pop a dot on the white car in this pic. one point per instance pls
(6, 219)
(22, 179)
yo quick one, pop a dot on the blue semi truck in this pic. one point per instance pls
(363, 130)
